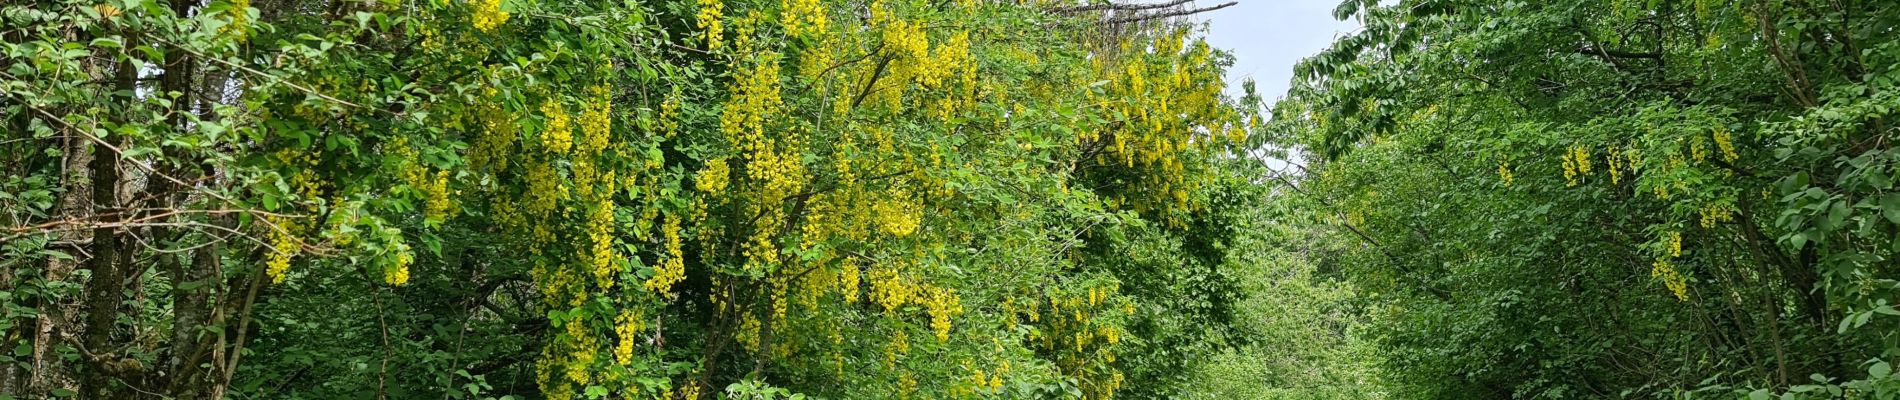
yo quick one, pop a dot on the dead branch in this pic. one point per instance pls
(1172, 14)
(1118, 7)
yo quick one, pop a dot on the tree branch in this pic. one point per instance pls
(1139, 18)
(1118, 7)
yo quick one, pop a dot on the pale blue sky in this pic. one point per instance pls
(1268, 36)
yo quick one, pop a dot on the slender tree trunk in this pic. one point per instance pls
(103, 291)
(52, 323)
(12, 377)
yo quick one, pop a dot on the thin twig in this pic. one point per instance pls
(1139, 18)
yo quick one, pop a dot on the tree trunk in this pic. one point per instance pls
(48, 371)
(103, 292)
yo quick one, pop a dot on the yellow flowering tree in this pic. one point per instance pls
(582, 199)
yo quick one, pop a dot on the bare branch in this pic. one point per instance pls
(1119, 7)
(1172, 14)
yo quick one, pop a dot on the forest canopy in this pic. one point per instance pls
(924, 199)
(1609, 199)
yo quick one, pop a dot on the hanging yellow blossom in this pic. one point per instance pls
(1616, 169)
(1698, 150)
(627, 327)
(1713, 214)
(1725, 141)
(1675, 244)
(284, 246)
(240, 15)
(803, 17)
(709, 22)
(673, 269)
(488, 15)
(557, 137)
(1504, 172)
(713, 178)
(942, 304)
(1677, 284)
(1581, 155)
(1570, 170)
(397, 272)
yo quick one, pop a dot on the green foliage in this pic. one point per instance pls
(1589, 199)
(1303, 329)
(581, 199)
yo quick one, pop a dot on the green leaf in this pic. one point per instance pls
(1890, 206)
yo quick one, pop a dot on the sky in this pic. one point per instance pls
(1268, 36)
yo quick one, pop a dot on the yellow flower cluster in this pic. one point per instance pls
(709, 21)
(942, 304)
(755, 99)
(803, 17)
(898, 214)
(596, 122)
(581, 352)
(305, 181)
(1570, 171)
(1576, 163)
(1698, 150)
(748, 334)
(781, 173)
(1674, 242)
(690, 390)
(713, 178)
(284, 246)
(488, 15)
(436, 204)
(557, 138)
(906, 384)
(544, 376)
(981, 380)
(1581, 154)
(951, 59)
(670, 114)
(906, 40)
(544, 194)
(1677, 284)
(627, 328)
(596, 130)
(240, 14)
(848, 281)
(600, 230)
(900, 345)
(495, 137)
(396, 273)
(1504, 172)
(1616, 168)
(435, 207)
(889, 288)
(760, 250)
(1714, 214)
(1725, 141)
(779, 303)
(673, 269)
